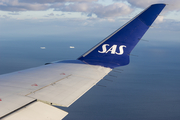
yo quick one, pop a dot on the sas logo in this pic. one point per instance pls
(112, 49)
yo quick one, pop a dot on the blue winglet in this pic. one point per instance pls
(114, 50)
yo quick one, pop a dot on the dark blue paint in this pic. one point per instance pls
(153, 12)
(129, 36)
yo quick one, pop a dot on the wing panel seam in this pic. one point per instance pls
(47, 85)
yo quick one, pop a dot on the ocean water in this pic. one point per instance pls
(146, 89)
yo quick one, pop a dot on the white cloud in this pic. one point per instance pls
(51, 22)
(51, 14)
(142, 3)
(159, 19)
(74, 7)
(14, 13)
(87, 8)
(113, 10)
(55, 1)
(101, 11)
(15, 5)
(111, 20)
(171, 4)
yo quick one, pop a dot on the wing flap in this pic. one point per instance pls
(61, 83)
(66, 91)
(37, 111)
(11, 102)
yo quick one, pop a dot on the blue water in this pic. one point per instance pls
(146, 89)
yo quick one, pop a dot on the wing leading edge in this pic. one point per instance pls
(30, 94)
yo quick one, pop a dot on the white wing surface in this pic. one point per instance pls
(59, 83)
(30, 94)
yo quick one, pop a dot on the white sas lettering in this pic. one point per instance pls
(112, 49)
(104, 48)
(121, 51)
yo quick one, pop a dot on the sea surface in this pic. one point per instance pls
(146, 89)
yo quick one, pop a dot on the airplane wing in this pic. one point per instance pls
(30, 94)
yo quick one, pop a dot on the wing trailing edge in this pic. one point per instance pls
(37, 111)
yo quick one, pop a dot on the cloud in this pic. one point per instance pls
(15, 5)
(101, 11)
(5, 16)
(14, 13)
(171, 25)
(171, 4)
(113, 10)
(50, 15)
(55, 1)
(159, 19)
(88, 7)
(74, 7)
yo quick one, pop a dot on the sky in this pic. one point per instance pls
(81, 18)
